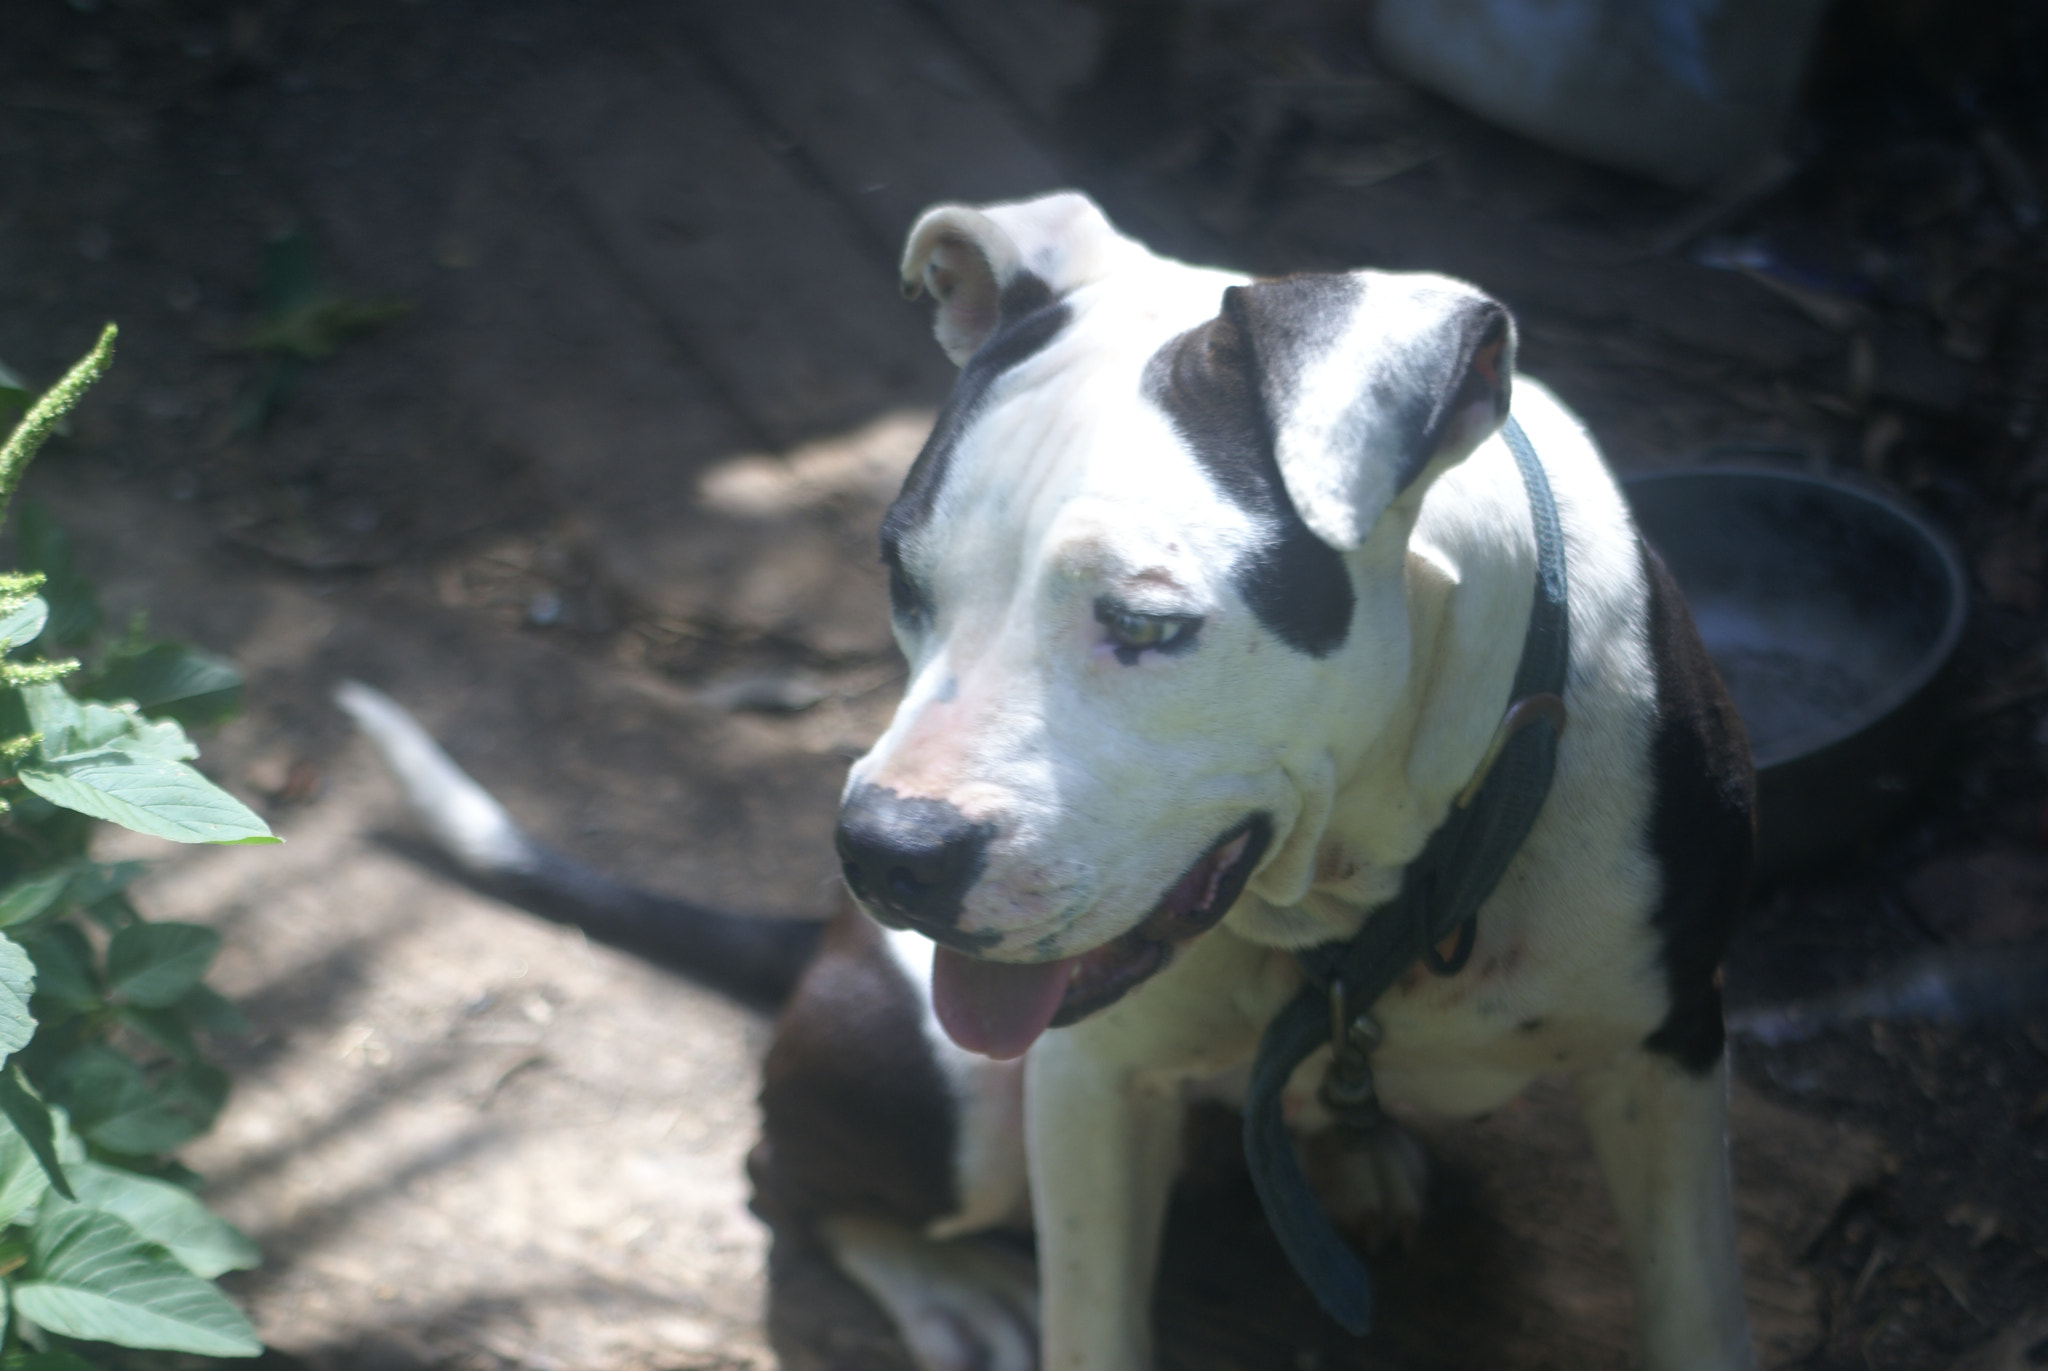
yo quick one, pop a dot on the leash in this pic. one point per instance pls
(1441, 891)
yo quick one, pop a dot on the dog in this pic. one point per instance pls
(1213, 593)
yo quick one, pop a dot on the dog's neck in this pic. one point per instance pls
(1368, 811)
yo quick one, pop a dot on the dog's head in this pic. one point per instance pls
(1148, 576)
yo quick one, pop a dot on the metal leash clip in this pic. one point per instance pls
(1347, 1090)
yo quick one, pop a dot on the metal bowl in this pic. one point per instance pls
(1831, 612)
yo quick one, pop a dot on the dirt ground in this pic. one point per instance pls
(595, 496)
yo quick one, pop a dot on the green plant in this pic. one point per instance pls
(301, 321)
(102, 1012)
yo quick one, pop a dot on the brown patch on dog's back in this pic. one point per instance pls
(1703, 825)
(856, 1117)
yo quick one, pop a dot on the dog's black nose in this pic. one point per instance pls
(911, 860)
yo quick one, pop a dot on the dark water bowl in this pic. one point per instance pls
(1831, 612)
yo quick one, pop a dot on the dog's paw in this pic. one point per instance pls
(1375, 1190)
(968, 1304)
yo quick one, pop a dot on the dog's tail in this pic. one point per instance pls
(755, 959)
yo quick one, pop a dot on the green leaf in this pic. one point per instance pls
(210, 1012)
(17, 984)
(94, 881)
(54, 714)
(64, 966)
(37, 1125)
(33, 895)
(159, 1212)
(43, 546)
(149, 795)
(45, 1361)
(173, 681)
(23, 623)
(24, 1171)
(156, 964)
(113, 913)
(111, 763)
(97, 888)
(114, 1104)
(92, 1277)
(23, 1180)
(164, 1027)
(74, 728)
(161, 740)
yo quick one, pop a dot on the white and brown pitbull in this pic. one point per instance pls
(1212, 592)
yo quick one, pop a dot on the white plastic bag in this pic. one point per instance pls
(1683, 91)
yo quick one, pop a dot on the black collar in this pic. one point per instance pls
(1441, 892)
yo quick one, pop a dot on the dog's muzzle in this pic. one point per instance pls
(910, 860)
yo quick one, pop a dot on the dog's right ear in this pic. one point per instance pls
(1000, 261)
(1372, 383)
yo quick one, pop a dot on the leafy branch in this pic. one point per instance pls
(102, 1012)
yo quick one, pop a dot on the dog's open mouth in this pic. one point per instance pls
(998, 1009)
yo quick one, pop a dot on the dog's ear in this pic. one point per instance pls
(984, 264)
(1373, 383)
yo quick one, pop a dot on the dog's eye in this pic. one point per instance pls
(1145, 630)
(1134, 633)
(911, 606)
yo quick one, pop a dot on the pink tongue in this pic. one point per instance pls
(993, 1008)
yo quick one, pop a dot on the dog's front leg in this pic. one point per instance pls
(1103, 1144)
(1660, 1132)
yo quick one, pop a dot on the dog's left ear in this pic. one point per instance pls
(993, 262)
(1373, 383)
